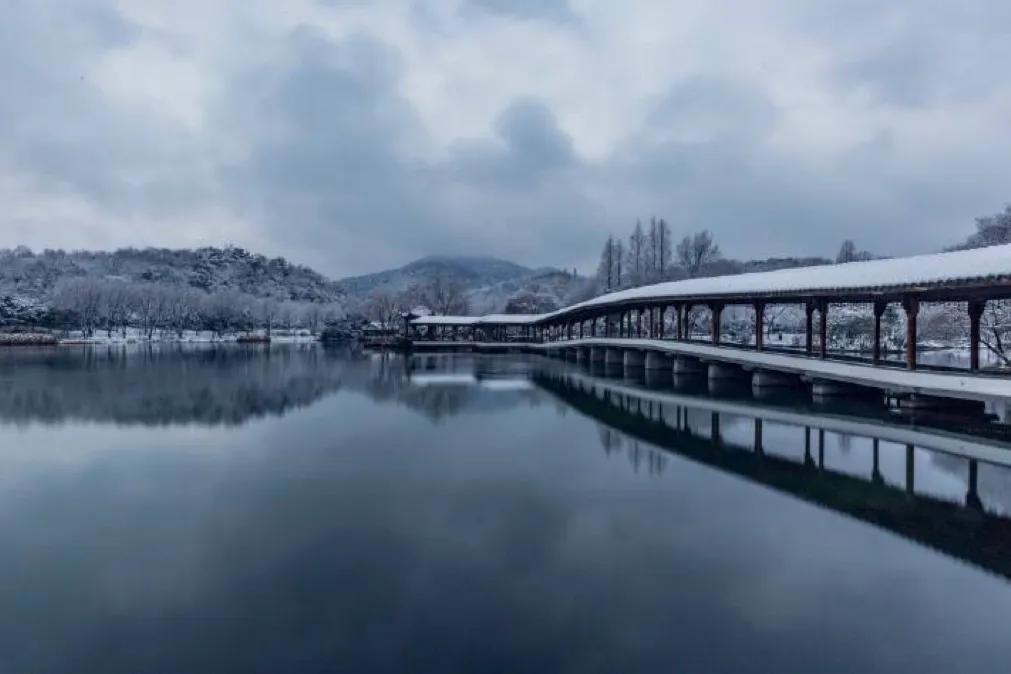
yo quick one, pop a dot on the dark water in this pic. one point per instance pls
(296, 509)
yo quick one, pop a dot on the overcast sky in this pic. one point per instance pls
(354, 135)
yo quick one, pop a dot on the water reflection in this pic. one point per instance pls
(462, 513)
(159, 385)
(829, 472)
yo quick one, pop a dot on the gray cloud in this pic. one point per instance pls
(355, 145)
(555, 10)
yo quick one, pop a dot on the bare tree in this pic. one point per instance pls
(444, 295)
(148, 303)
(223, 311)
(608, 266)
(265, 314)
(312, 316)
(83, 298)
(848, 253)
(695, 252)
(996, 330)
(115, 309)
(287, 315)
(636, 255)
(659, 249)
(619, 265)
(384, 307)
(180, 309)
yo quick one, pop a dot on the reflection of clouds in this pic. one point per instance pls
(445, 384)
(443, 380)
(328, 542)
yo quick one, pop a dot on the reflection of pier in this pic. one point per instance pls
(964, 531)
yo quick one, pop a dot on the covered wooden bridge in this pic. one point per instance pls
(656, 319)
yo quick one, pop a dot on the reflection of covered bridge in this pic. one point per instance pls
(649, 326)
(966, 531)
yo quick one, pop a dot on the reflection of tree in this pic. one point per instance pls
(610, 439)
(165, 384)
(613, 442)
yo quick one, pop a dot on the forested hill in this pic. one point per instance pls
(35, 275)
(472, 272)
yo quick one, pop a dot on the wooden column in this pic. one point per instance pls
(809, 328)
(823, 328)
(975, 315)
(715, 323)
(912, 307)
(660, 326)
(879, 310)
(759, 326)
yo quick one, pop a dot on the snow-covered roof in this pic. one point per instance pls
(958, 268)
(489, 319)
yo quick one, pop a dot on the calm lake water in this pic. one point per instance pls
(301, 509)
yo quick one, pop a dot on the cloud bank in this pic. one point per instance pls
(353, 135)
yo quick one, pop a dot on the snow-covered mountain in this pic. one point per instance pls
(28, 279)
(492, 285)
(473, 272)
(26, 274)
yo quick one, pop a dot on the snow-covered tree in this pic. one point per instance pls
(443, 295)
(82, 298)
(995, 329)
(695, 252)
(991, 230)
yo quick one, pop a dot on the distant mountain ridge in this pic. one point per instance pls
(473, 272)
(492, 285)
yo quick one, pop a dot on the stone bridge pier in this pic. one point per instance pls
(633, 359)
